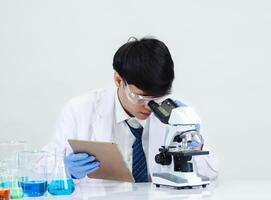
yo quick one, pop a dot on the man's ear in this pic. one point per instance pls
(117, 79)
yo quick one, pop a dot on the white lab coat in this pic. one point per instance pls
(91, 117)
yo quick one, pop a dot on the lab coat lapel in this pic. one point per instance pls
(103, 123)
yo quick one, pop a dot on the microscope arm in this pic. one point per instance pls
(186, 132)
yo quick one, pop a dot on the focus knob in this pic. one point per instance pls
(163, 159)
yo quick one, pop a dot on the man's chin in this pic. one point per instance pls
(143, 116)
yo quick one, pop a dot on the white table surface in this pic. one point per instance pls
(228, 190)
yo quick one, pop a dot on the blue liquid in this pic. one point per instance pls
(34, 188)
(61, 187)
(6, 184)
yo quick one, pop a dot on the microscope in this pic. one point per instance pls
(175, 156)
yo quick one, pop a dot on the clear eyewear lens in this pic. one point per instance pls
(139, 99)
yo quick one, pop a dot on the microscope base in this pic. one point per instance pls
(180, 180)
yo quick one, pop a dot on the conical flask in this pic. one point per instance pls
(61, 183)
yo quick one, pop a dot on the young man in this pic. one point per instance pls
(144, 71)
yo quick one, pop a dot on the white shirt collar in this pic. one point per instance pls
(121, 115)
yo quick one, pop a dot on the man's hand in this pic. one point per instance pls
(197, 146)
(81, 164)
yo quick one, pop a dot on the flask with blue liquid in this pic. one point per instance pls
(61, 183)
(33, 170)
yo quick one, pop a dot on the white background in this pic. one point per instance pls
(53, 50)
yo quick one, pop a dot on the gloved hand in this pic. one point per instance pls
(81, 164)
(193, 144)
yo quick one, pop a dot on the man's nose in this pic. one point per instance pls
(147, 107)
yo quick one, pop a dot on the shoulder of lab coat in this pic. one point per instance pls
(78, 117)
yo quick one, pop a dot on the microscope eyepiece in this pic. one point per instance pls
(163, 111)
(152, 104)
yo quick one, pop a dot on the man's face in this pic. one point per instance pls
(138, 109)
(133, 100)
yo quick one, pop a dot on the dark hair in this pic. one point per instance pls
(147, 64)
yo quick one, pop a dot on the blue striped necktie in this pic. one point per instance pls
(139, 169)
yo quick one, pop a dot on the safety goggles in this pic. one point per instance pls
(139, 99)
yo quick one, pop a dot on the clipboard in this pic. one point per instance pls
(112, 165)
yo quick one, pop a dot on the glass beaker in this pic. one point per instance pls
(33, 167)
(9, 178)
(61, 183)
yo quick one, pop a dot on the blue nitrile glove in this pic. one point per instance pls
(81, 164)
(180, 104)
(193, 144)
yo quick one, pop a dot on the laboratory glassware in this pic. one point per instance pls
(33, 167)
(61, 182)
(4, 194)
(9, 178)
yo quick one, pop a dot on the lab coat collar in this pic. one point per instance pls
(105, 102)
(120, 113)
(102, 124)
